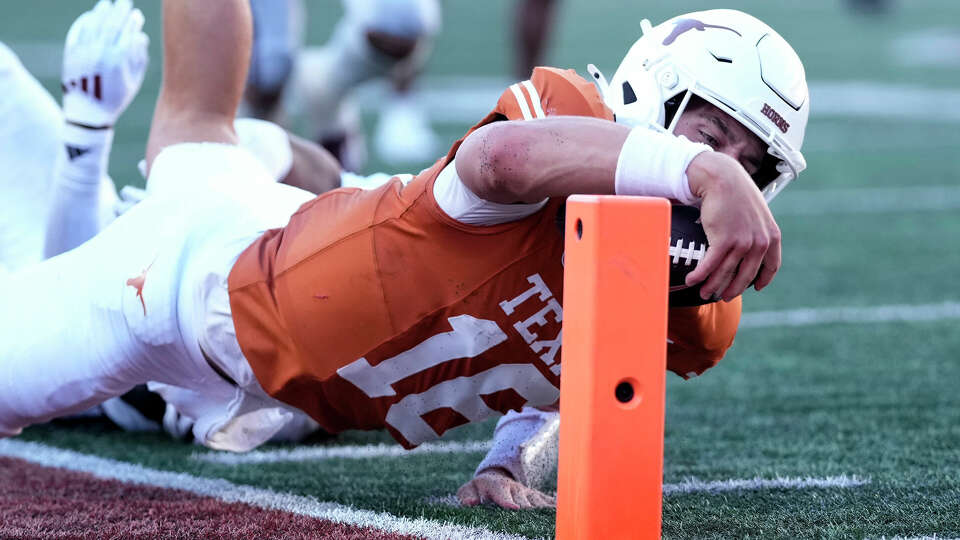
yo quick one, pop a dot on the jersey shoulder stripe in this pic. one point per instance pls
(534, 98)
(521, 101)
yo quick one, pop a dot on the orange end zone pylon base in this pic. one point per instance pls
(616, 279)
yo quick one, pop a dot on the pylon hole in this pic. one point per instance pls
(624, 392)
(579, 229)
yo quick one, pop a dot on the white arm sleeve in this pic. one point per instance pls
(526, 444)
(458, 202)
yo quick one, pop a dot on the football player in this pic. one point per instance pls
(431, 301)
(678, 60)
(56, 161)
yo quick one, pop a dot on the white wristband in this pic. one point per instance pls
(654, 164)
(87, 153)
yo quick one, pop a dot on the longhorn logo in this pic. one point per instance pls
(683, 26)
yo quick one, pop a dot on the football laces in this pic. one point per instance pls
(693, 252)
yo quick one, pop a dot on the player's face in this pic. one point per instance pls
(707, 124)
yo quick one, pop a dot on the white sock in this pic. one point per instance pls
(75, 214)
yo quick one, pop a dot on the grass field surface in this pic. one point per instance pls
(826, 430)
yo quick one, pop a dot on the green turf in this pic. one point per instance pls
(875, 400)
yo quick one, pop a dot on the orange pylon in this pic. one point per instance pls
(616, 278)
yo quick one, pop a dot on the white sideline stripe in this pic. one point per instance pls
(342, 452)
(236, 493)
(876, 200)
(693, 485)
(873, 314)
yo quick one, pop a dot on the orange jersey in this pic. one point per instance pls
(699, 336)
(374, 309)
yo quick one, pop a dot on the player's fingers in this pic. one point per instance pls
(521, 496)
(100, 12)
(541, 500)
(134, 42)
(123, 7)
(78, 31)
(141, 46)
(771, 264)
(134, 23)
(747, 270)
(499, 493)
(710, 262)
(468, 494)
(721, 277)
(115, 22)
(73, 35)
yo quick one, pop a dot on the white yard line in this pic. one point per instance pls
(831, 315)
(693, 485)
(314, 453)
(924, 537)
(236, 493)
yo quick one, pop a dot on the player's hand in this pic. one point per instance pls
(744, 238)
(497, 486)
(104, 62)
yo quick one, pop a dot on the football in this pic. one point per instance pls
(688, 246)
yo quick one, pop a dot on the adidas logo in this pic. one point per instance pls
(73, 152)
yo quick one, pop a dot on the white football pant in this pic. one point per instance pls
(140, 300)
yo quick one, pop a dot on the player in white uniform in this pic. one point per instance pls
(389, 39)
(35, 163)
(57, 190)
(75, 331)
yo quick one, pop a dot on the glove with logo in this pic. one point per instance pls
(104, 62)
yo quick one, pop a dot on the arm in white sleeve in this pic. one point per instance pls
(104, 62)
(75, 212)
(526, 445)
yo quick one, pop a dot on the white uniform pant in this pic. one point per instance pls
(137, 302)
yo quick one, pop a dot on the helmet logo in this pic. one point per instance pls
(775, 117)
(683, 26)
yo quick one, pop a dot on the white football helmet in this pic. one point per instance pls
(729, 59)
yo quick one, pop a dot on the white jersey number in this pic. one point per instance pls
(470, 337)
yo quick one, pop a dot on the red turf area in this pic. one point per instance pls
(44, 502)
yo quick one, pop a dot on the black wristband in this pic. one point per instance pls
(87, 126)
